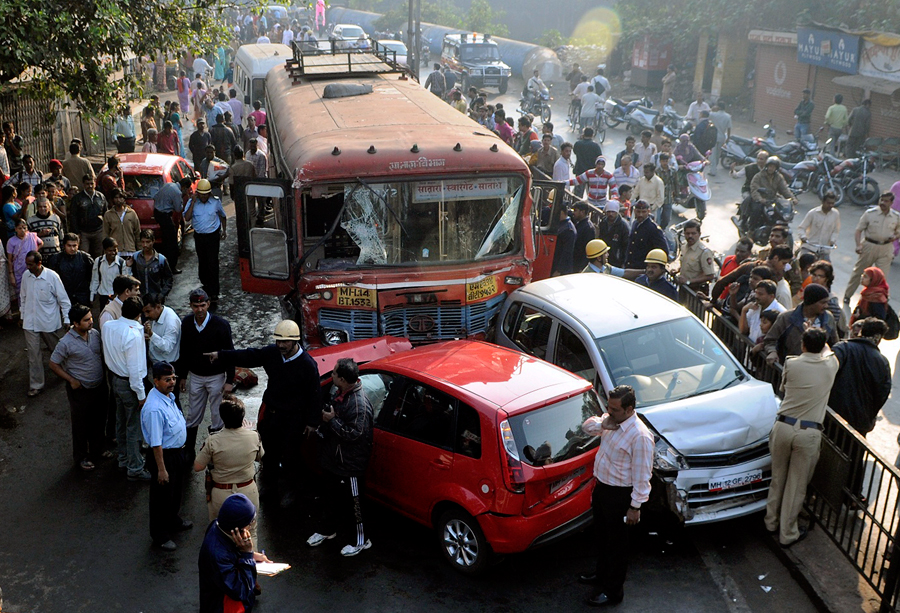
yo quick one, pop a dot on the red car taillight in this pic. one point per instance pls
(515, 475)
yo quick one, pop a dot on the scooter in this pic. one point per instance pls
(698, 189)
(642, 118)
(617, 110)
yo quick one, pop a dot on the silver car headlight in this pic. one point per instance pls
(667, 458)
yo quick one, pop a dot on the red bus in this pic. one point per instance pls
(394, 214)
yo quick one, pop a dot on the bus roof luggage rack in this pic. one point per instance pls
(314, 62)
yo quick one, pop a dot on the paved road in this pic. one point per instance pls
(80, 542)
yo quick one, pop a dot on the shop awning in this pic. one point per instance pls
(879, 86)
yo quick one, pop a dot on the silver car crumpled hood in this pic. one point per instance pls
(716, 422)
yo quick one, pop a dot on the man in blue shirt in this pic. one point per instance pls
(163, 426)
(168, 201)
(206, 214)
(654, 275)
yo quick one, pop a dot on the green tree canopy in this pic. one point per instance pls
(80, 48)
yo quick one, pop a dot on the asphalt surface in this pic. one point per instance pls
(76, 541)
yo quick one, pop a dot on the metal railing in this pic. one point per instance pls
(854, 492)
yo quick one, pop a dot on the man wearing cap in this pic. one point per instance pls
(645, 236)
(697, 265)
(598, 182)
(291, 400)
(206, 214)
(56, 176)
(584, 233)
(784, 337)
(168, 201)
(654, 275)
(877, 229)
(203, 333)
(797, 433)
(613, 230)
(597, 254)
(565, 245)
(163, 426)
(227, 560)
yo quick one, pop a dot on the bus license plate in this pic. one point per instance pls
(485, 288)
(728, 482)
(357, 297)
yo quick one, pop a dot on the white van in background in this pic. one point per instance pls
(251, 64)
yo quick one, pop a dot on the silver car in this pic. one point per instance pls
(711, 419)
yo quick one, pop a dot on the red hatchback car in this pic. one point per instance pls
(145, 174)
(482, 443)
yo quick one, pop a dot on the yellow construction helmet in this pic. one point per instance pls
(596, 248)
(657, 256)
(287, 330)
(204, 186)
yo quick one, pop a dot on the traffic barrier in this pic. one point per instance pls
(853, 495)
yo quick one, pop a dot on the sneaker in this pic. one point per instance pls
(317, 539)
(144, 475)
(352, 550)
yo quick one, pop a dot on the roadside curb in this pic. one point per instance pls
(801, 574)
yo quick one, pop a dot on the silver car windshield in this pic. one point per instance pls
(669, 361)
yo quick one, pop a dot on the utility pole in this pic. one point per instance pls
(419, 60)
(411, 51)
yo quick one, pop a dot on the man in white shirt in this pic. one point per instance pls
(764, 292)
(590, 106)
(562, 170)
(162, 330)
(601, 84)
(535, 85)
(126, 357)
(693, 113)
(645, 149)
(821, 226)
(287, 36)
(582, 88)
(202, 67)
(45, 306)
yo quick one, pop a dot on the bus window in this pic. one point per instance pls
(259, 90)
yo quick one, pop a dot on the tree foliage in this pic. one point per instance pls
(483, 18)
(682, 21)
(78, 49)
(551, 39)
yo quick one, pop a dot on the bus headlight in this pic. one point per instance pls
(334, 337)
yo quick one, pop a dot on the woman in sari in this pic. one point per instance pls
(17, 248)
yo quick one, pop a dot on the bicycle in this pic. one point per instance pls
(822, 252)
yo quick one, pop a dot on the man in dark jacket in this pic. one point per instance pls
(202, 333)
(863, 383)
(565, 246)
(613, 231)
(645, 236)
(586, 151)
(344, 451)
(785, 336)
(227, 560)
(291, 401)
(584, 233)
(74, 268)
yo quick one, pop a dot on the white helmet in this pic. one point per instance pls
(287, 330)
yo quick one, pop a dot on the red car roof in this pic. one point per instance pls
(509, 379)
(146, 163)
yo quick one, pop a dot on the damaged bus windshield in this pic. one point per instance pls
(413, 222)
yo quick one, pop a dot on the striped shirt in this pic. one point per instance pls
(625, 457)
(597, 185)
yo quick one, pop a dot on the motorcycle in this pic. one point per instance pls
(795, 151)
(642, 118)
(616, 109)
(853, 175)
(537, 105)
(698, 189)
(757, 221)
(817, 175)
(738, 150)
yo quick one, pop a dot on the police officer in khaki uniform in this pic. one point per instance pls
(877, 229)
(231, 454)
(697, 265)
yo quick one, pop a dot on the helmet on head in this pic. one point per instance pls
(596, 248)
(204, 186)
(773, 160)
(657, 256)
(287, 330)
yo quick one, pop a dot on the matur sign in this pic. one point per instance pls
(834, 50)
(464, 189)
